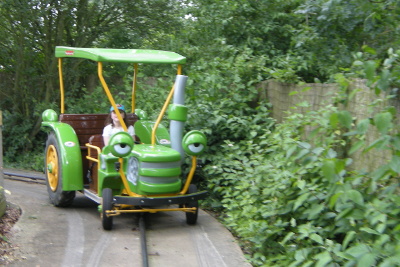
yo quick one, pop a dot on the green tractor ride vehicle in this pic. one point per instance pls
(126, 176)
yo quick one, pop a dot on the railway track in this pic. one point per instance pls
(143, 240)
(24, 177)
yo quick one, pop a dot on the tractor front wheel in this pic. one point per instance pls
(107, 204)
(191, 218)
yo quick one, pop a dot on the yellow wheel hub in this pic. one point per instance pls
(52, 167)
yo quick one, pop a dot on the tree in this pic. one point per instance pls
(301, 40)
(31, 29)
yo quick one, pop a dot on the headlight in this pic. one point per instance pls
(49, 115)
(194, 143)
(121, 144)
(133, 170)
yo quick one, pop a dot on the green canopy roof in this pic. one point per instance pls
(121, 55)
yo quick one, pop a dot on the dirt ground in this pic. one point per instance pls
(7, 249)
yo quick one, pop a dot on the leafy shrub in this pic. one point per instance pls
(293, 198)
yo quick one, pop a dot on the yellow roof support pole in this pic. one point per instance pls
(179, 69)
(153, 132)
(107, 91)
(134, 87)
(60, 74)
(171, 93)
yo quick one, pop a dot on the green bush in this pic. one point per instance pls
(292, 202)
(289, 193)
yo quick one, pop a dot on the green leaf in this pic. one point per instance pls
(355, 196)
(395, 164)
(317, 238)
(301, 184)
(379, 143)
(397, 228)
(314, 211)
(380, 228)
(369, 230)
(369, 68)
(305, 89)
(396, 142)
(300, 201)
(318, 150)
(304, 104)
(351, 133)
(344, 213)
(290, 151)
(362, 126)
(334, 120)
(349, 237)
(358, 251)
(331, 154)
(368, 49)
(323, 259)
(329, 170)
(356, 146)
(384, 80)
(380, 173)
(383, 121)
(304, 145)
(366, 260)
(345, 118)
(391, 261)
(333, 199)
(301, 153)
(381, 217)
(287, 238)
(358, 63)
(302, 254)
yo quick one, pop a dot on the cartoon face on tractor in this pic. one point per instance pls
(126, 175)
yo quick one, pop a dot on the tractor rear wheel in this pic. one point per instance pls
(53, 167)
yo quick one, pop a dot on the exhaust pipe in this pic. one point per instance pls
(177, 114)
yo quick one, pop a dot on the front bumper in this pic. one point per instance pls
(159, 201)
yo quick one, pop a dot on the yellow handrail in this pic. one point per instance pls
(60, 74)
(89, 156)
(108, 93)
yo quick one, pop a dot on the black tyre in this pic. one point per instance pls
(191, 218)
(53, 171)
(107, 204)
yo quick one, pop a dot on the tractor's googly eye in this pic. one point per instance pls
(121, 144)
(196, 147)
(122, 148)
(194, 143)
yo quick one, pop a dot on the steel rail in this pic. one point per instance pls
(143, 241)
(30, 176)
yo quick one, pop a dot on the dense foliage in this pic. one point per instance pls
(292, 199)
(28, 69)
(295, 201)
